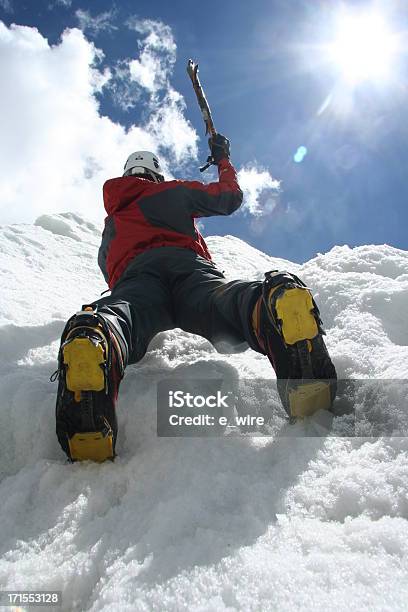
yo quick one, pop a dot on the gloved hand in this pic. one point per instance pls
(219, 147)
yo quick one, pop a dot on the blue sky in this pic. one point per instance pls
(265, 71)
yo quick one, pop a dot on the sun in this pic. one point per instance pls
(364, 47)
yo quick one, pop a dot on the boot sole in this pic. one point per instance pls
(300, 331)
(91, 446)
(294, 308)
(84, 361)
(306, 398)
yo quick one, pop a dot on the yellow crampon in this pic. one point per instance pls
(84, 360)
(295, 311)
(308, 398)
(294, 308)
(93, 446)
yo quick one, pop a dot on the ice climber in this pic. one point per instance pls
(161, 276)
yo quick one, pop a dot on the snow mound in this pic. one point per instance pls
(237, 259)
(288, 522)
(70, 225)
(45, 273)
(383, 260)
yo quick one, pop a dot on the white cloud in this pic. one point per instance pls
(149, 76)
(97, 23)
(260, 190)
(168, 124)
(56, 149)
(66, 3)
(149, 73)
(7, 6)
(158, 54)
(124, 91)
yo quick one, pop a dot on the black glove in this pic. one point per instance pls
(219, 147)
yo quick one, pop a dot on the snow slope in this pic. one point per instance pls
(286, 522)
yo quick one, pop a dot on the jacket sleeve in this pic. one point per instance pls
(222, 198)
(107, 235)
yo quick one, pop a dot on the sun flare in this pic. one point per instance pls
(364, 47)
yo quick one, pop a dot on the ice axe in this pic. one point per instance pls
(192, 71)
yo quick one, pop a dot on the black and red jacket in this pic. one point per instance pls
(144, 215)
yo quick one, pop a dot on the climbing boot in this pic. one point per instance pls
(90, 368)
(288, 328)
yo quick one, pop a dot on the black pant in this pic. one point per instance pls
(172, 287)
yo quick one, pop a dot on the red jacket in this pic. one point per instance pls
(144, 215)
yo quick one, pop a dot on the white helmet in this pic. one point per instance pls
(144, 162)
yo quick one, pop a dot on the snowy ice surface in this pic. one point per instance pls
(286, 522)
